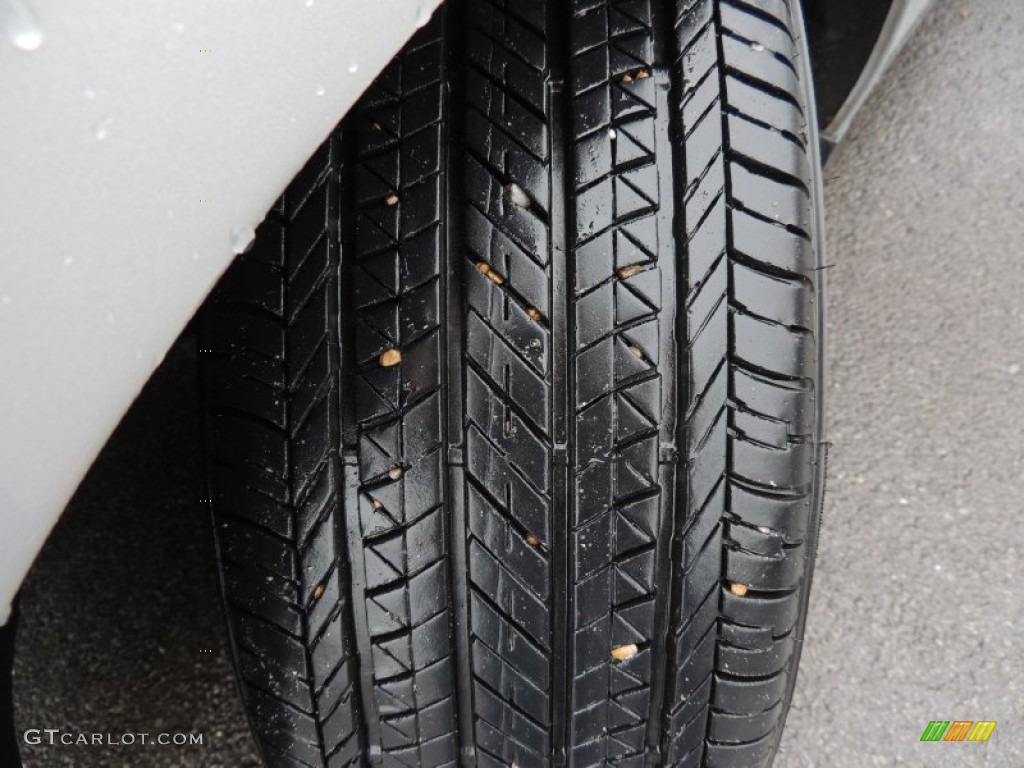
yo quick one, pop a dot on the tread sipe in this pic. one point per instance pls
(514, 409)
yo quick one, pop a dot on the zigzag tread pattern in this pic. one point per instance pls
(622, 349)
(507, 373)
(395, 271)
(272, 384)
(750, 414)
(518, 467)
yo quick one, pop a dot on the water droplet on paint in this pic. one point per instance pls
(320, 91)
(20, 25)
(101, 129)
(242, 238)
(90, 93)
(69, 260)
(353, 67)
(423, 14)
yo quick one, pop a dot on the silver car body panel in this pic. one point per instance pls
(142, 144)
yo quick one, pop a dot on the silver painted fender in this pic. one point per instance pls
(141, 143)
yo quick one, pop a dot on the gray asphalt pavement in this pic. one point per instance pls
(917, 610)
(918, 605)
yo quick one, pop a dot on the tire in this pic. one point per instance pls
(515, 409)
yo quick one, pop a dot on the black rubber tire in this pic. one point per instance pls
(515, 408)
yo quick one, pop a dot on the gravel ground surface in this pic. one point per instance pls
(917, 609)
(121, 627)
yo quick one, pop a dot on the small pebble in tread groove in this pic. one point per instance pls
(395, 473)
(495, 277)
(378, 504)
(318, 592)
(632, 269)
(390, 357)
(391, 200)
(624, 652)
(242, 238)
(738, 589)
(532, 540)
(533, 314)
(517, 195)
